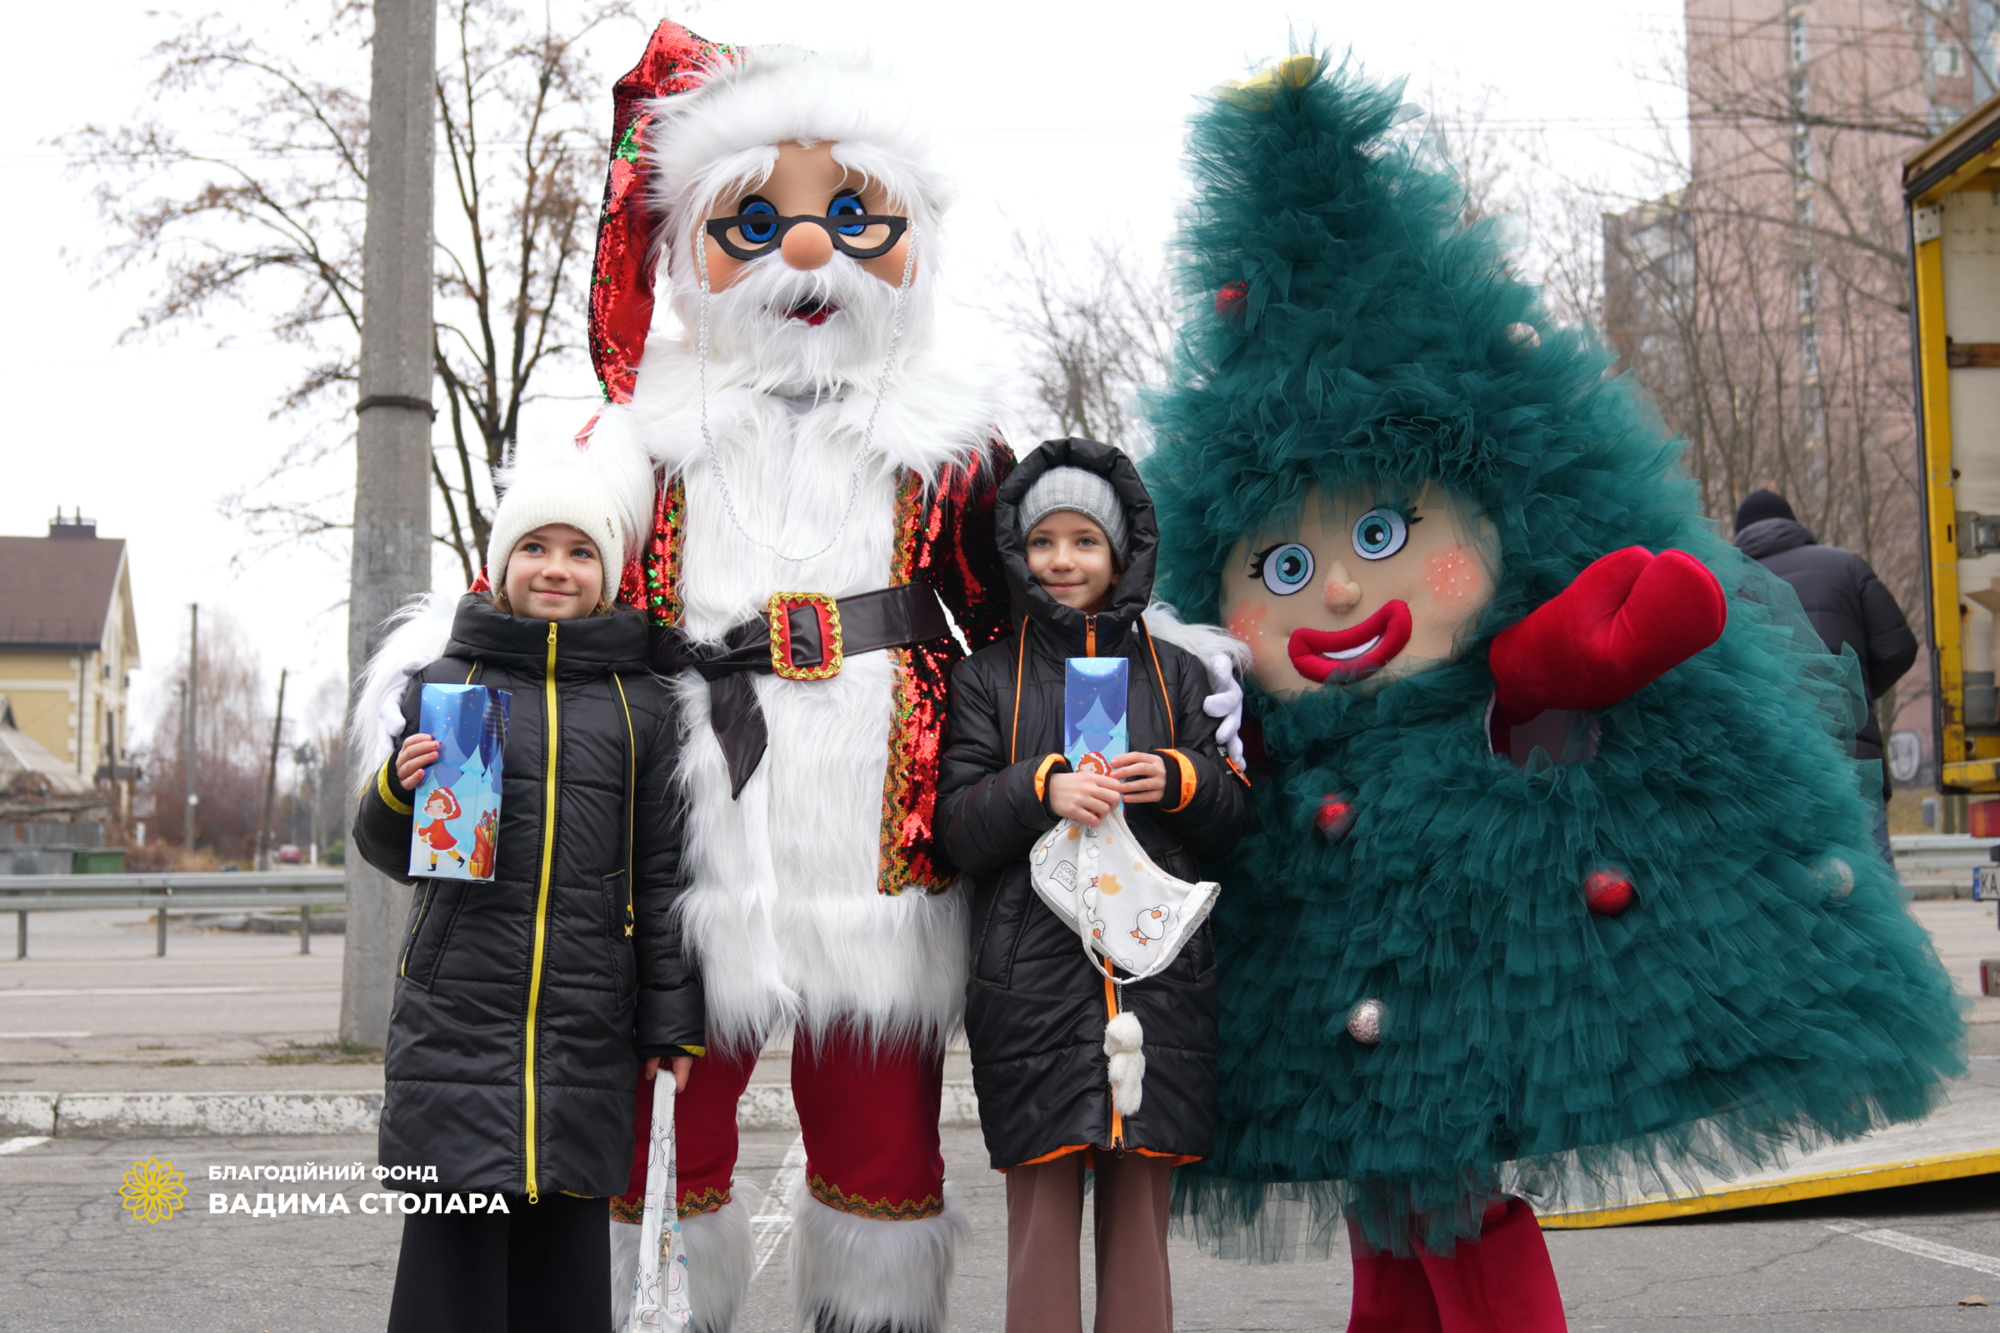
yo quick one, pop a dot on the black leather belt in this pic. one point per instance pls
(800, 636)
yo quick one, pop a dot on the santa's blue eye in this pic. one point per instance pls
(1380, 533)
(754, 232)
(1285, 569)
(847, 206)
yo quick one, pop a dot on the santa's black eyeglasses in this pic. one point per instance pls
(856, 235)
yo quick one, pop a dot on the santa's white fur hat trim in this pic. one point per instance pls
(724, 134)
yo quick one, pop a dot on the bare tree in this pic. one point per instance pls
(1763, 300)
(1509, 171)
(1094, 337)
(244, 183)
(232, 726)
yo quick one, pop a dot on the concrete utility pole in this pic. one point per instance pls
(271, 779)
(392, 494)
(190, 747)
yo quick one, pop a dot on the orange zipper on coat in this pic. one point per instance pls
(1111, 1012)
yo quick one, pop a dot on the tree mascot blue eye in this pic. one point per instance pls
(1286, 569)
(847, 206)
(1380, 533)
(758, 233)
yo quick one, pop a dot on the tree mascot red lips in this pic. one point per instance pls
(1355, 653)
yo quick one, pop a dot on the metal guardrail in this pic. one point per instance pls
(1940, 864)
(302, 890)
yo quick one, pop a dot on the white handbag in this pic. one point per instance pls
(1132, 917)
(660, 1295)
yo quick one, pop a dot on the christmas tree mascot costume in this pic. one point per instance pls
(818, 490)
(1561, 877)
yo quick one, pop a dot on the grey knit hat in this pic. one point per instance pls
(1079, 491)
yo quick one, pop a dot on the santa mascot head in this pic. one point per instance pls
(786, 206)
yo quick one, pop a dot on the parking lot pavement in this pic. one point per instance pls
(1894, 1262)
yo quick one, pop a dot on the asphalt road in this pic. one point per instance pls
(73, 1260)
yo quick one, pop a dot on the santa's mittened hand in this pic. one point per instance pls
(1627, 619)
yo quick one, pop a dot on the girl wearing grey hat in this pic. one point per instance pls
(1077, 539)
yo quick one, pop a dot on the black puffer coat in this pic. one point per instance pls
(1846, 603)
(1035, 1007)
(522, 1004)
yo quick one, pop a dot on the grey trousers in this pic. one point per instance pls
(1135, 1292)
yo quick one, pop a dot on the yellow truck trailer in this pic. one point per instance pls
(1952, 192)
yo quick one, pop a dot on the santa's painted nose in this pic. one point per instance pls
(806, 247)
(1342, 593)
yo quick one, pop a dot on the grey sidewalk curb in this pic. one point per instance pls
(105, 1115)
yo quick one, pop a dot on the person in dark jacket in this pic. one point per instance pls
(1077, 539)
(525, 1005)
(1846, 603)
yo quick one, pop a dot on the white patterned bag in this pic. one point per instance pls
(660, 1297)
(1123, 906)
(1132, 917)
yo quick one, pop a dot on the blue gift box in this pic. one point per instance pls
(1094, 708)
(455, 831)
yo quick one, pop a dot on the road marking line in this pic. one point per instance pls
(23, 1036)
(772, 1225)
(22, 1144)
(53, 993)
(1929, 1249)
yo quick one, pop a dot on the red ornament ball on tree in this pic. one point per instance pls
(1229, 301)
(1607, 891)
(1335, 816)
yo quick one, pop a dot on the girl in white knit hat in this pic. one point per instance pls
(525, 1005)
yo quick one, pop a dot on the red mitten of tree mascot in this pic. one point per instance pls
(1627, 619)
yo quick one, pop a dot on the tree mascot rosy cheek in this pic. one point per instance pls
(1550, 885)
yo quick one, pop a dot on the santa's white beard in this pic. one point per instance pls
(752, 332)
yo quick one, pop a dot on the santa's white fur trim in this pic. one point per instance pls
(1203, 640)
(721, 1258)
(859, 1275)
(417, 637)
(1123, 1038)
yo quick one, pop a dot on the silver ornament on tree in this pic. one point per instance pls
(1366, 1020)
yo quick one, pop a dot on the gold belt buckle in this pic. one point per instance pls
(826, 611)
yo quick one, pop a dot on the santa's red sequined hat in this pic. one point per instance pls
(621, 281)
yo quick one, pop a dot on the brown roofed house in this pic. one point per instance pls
(68, 643)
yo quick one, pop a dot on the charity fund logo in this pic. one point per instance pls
(153, 1191)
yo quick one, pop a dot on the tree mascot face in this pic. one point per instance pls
(1364, 587)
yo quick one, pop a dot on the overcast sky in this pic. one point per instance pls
(1065, 117)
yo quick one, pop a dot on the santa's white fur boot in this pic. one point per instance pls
(858, 1275)
(720, 1257)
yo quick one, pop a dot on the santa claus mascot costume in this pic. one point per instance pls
(818, 493)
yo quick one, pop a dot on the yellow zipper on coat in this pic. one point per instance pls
(631, 795)
(542, 899)
(403, 970)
